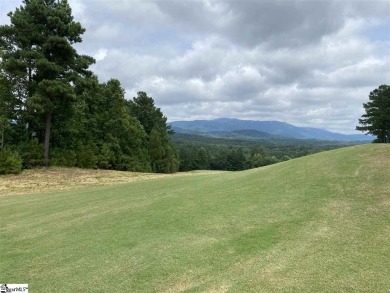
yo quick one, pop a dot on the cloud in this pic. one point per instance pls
(312, 63)
(282, 23)
(100, 54)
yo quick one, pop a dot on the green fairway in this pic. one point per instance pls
(315, 224)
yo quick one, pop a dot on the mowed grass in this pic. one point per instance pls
(315, 224)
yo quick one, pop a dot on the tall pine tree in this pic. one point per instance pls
(162, 154)
(38, 54)
(376, 120)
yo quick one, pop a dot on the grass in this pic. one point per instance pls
(314, 224)
(62, 179)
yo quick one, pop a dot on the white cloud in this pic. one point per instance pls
(100, 55)
(312, 63)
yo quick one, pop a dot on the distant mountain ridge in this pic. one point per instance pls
(229, 127)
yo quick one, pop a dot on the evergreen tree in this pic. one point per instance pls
(7, 108)
(38, 55)
(10, 162)
(376, 120)
(103, 122)
(236, 160)
(202, 159)
(194, 158)
(143, 108)
(156, 150)
(162, 154)
(50, 100)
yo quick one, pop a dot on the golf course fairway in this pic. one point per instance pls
(320, 223)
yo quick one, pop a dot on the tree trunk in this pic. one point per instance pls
(47, 138)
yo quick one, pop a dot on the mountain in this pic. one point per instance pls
(235, 127)
(249, 134)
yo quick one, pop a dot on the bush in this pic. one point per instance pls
(106, 157)
(10, 162)
(63, 158)
(32, 154)
(86, 157)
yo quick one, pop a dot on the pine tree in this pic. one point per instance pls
(7, 108)
(376, 120)
(162, 153)
(38, 55)
(102, 121)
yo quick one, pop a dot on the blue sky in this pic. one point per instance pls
(309, 63)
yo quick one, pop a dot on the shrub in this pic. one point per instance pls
(10, 162)
(86, 157)
(106, 157)
(63, 158)
(32, 154)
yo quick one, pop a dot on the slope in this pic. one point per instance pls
(314, 224)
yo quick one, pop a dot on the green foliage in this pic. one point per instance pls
(230, 159)
(235, 160)
(134, 163)
(194, 158)
(142, 107)
(120, 138)
(37, 52)
(86, 157)
(63, 157)
(156, 150)
(49, 99)
(161, 151)
(106, 157)
(7, 107)
(198, 152)
(10, 162)
(171, 161)
(32, 154)
(376, 120)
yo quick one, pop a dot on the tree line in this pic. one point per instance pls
(227, 158)
(197, 152)
(54, 110)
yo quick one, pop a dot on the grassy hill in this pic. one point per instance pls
(315, 224)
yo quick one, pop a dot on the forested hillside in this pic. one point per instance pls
(200, 152)
(54, 110)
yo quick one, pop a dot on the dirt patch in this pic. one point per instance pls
(61, 179)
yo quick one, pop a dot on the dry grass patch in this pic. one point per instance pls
(63, 179)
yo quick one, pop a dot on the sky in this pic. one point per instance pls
(306, 62)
